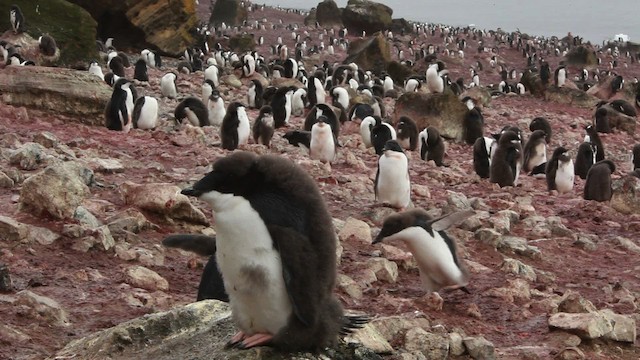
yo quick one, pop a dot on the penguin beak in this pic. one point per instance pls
(191, 192)
(378, 238)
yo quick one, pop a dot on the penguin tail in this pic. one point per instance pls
(353, 322)
(200, 244)
(464, 288)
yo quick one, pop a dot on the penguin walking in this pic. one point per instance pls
(585, 158)
(392, 185)
(323, 141)
(17, 19)
(593, 137)
(473, 122)
(254, 95)
(117, 112)
(263, 128)
(432, 147)
(482, 151)
(560, 172)
(540, 123)
(216, 107)
(435, 252)
(507, 160)
(535, 151)
(598, 184)
(407, 133)
(168, 86)
(235, 128)
(381, 133)
(211, 283)
(315, 92)
(140, 71)
(269, 206)
(281, 106)
(193, 110)
(145, 113)
(47, 45)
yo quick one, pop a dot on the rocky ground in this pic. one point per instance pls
(531, 254)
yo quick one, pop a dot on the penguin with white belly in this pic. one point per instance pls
(235, 128)
(560, 172)
(193, 110)
(392, 185)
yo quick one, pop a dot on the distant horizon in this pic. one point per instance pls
(542, 18)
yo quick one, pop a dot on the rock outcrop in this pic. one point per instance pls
(230, 12)
(370, 53)
(364, 15)
(626, 195)
(328, 14)
(444, 111)
(581, 56)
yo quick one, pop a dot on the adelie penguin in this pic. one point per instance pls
(381, 132)
(211, 283)
(540, 123)
(322, 110)
(281, 106)
(482, 151)
(298, 102)
(593, 137)
(168, 86)
(254, 95)
(392, 185)
(268, 205)
(17, 19)
(323, 143)
(235, 128)
(193, 110)
(145, 113)
(598, 184)
(435, 252)
(407, 133)
(473, 122)
(507, 160)
(432, 146)
(585, 158)
(560, 171)
(263, 127)
(535, 151)
(117, 112)
(140, 71)
(207, 89)
(216, 107)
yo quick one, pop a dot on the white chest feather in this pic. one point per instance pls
(322, 144)
(149, 114)
(538, 156)
(565, 176)
(393, 185)
(365, 131)
(251, 96)
(320, 94)
(287, 108)
(192, 117)
(167, 87)
(244, 126)
(217, 111)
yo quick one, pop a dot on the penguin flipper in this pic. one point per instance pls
(540, 169)
(512, 159)
(203, 245)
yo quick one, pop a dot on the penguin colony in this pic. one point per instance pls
(329, 99)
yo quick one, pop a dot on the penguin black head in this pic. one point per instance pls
(392, 145)
(230, 175)
(560, 153)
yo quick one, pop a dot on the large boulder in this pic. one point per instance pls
(162, 24)
(230, 12)
(57, 90)
(443, 111)
(581, 56)
(626, 195)
(328, 14)
(364, 15)
(532, 82)
(71, 26)
(618, 120)
(567, 95)
(371, 53)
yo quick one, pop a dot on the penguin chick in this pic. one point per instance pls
(235, 127)
(535, 151)
(267, 205)
(585, 158)
(636, 156)
(473, 122)
(392, 185)
(254, 95)
(263, 127)
(507, 160)
(560, 171)
(216, 108)
(436, 253)
(192, 109)
(407, 133)
(598, 184)
(432, 146)
(540, 123)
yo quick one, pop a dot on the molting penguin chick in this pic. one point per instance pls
(168, 86)
(602, 121)
(507, 160)
(407, 133)
(284, 297)
(432, 147)
(263, 127)
(535, 151)
(235, 128)
(192, 109)
(585, 158)
(392, 185)
(435, 252)
(482, 150)
(145, 113)
(598, 184)
(540, 123)
(217, 109)
(117, 112)
(560, 171)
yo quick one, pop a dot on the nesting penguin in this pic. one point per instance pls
(540, 123)
(168, 86)
(392, 185)
(193, 110)
(598, 184)
(407, 133)
(432, 146)
(235, 128)
(263, 127)
(118, 112)
(585, 158)
(17, 19)
(507, 160)
(254, 95)
(435, 252)
(535, 151)
(482, 151)
(559, 171)
(284, 297)
(145, 113)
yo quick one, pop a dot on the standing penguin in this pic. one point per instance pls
(432, 147)
(17, 19)
(263, 127)
(560, 171)
(436, 253)
(545, 73)
(117, 114)
(365, 130)
(381, 133)
(482, 151)
(194, 110)
(560, 76)
(145, 113)
(316, 94)
(207, 89)
(269, 206)
(598, 184)
(281, 106)
(168, 86)
(435, 84)
(235, 128)
(540, 123)
(211, 73)
(392, 185)
(407, 133)
(473, 122)
(95, 69)
(217, 109)
(140, 71)
(322, 110)
(507, 160)
(116, 66)
(585, 158)
(297, 102)
(602, 121)
(248, 65)
(254, 94)
(535, 151)
(593, 137)
(323, 141)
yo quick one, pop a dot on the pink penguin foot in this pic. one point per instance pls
(236, 339)
(256, 340)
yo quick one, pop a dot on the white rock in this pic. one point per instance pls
(357, 230)
(384, 269)
(586, 325)
(141, 277)
(433, 346)
(42, 307)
